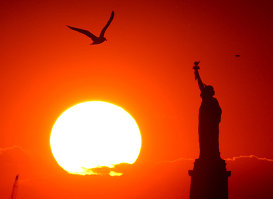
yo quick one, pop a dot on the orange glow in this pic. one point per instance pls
(145, 67)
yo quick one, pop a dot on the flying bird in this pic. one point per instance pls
(237, 55)
(96, 40)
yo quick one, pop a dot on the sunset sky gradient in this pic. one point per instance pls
(145, 67)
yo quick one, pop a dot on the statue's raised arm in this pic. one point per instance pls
(197, 76)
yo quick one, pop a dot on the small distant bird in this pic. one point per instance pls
(96, 40)
(237, 55)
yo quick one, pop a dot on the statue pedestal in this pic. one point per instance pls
(209, 179)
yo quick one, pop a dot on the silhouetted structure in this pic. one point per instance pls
(95, 39)
(14, 187)
(209, 178)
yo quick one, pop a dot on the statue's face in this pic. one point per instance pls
(209, 92)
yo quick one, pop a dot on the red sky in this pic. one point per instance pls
(146, 68)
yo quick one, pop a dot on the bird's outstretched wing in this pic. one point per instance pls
(108, 23)
(85, 32)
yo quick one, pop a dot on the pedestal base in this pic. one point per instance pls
(209, 179)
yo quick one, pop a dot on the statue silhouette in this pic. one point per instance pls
(209, 119)
(209, 177)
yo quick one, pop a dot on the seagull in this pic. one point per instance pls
(96, 40)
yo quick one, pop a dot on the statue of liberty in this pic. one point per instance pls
(209, 177)
(209, 119)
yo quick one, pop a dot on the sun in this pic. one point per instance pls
(94, 134)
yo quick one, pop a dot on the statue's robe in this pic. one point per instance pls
(209, 119)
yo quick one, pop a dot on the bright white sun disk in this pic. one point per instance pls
(94, 134)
